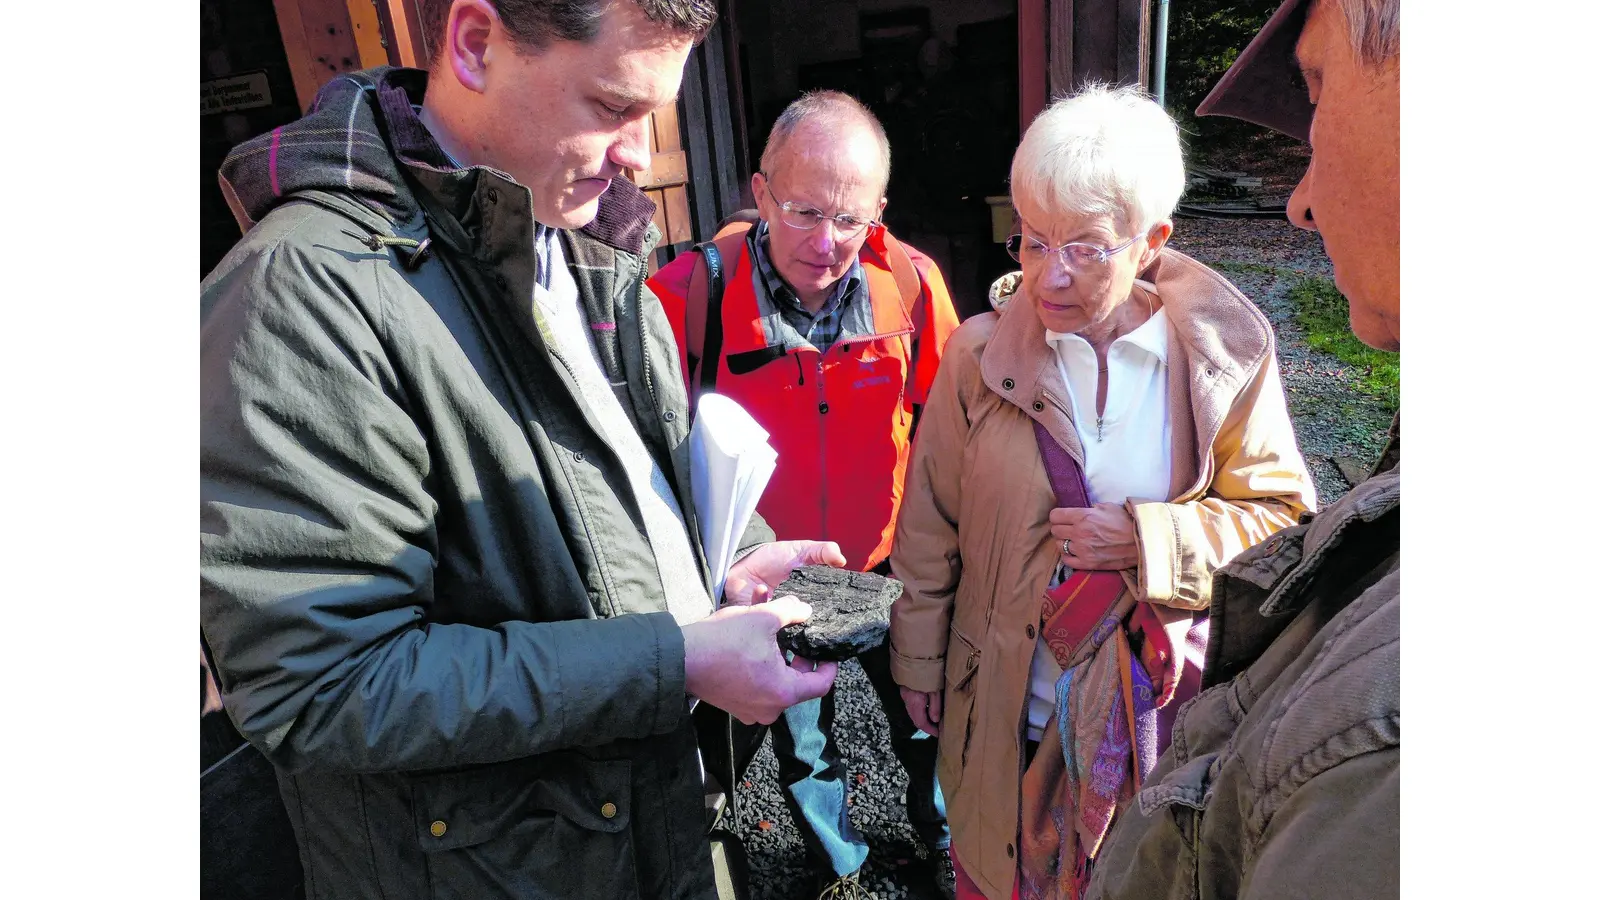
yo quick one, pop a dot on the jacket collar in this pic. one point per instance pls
(1151, 337)
(1216, 341)
(849, 297)
(1261, 593)
(884, 313)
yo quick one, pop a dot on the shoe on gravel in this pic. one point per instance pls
(944, 873)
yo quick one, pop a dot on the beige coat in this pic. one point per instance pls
(973, 543)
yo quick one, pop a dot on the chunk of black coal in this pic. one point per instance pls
(849, 612)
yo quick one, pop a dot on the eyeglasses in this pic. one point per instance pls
(805, 218)
(1074, 256)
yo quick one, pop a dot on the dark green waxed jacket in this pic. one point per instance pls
(425, 585)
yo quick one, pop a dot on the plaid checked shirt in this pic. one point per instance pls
(820, 330)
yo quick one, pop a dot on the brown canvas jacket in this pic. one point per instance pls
(973, 545)
(1283, 778)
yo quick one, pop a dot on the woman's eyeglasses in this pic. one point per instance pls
(1074, 256)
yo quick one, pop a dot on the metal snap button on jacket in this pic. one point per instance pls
(609, 810)
(437, 829)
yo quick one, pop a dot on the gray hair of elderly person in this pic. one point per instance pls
(535, 23)
(1101, 151)
(830, 111)
(1374, 28)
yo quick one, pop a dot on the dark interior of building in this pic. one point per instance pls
(941, 75)
(239, 43)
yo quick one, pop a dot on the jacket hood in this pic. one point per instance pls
(361, 139)
(340, 146)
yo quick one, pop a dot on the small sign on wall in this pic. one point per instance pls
(236, 92)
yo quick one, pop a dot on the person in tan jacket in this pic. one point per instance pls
(1090, 454)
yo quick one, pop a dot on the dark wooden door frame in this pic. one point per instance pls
(1061, 44)
(710, 106)
(1033, 57)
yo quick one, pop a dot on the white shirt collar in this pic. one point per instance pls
(1151, 337)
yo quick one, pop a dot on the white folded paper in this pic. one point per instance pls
(731, 464)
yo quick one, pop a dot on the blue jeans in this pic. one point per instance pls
(812, 774)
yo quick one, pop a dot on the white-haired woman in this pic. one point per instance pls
(1089, 455)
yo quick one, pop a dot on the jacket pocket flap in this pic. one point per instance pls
(461, 809)
(1188, 785)
(961, 660)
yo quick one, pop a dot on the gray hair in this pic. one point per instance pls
(1374, 29)
(1102, 151)
(535, 23)
(833, 109)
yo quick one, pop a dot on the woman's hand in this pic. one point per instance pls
(924, 709)
(1100, 537)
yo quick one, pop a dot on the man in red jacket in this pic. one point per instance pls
(829, 331)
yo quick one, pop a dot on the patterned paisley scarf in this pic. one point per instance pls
(1100, 743)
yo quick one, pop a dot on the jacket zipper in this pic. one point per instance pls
(822, 411)
(822, 444)
(638, 311)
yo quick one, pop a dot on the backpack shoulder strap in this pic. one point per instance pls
(710, 355)
(906, 278)
(703, 314)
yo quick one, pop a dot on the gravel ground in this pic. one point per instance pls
(1332, 421)
(779, 869)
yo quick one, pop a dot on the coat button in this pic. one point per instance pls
(609, 810)
(578, 456)
(1030, 631)
(1011, 852)
(1008, 384)
(1038, 406)
(822, 407)
(493, 195)
(437, 829)
(669, 416)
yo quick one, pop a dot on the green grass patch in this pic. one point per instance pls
(1324, 314)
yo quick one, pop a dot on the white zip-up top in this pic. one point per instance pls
(1127, 452)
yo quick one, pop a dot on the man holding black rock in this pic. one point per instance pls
(448, 580)
(829, 331)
